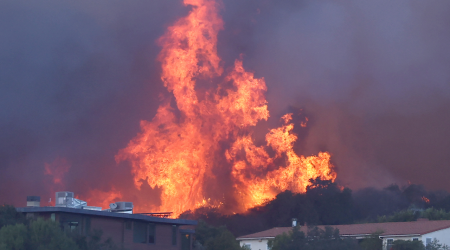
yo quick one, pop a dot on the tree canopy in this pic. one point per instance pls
(326, 203)
(315, 239)
(215, 238)
(40, 234)
(9, 216)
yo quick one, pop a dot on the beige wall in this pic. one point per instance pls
(399, 238)
(256, 244)
(443, 236)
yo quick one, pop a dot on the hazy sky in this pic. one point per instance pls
(373, 77)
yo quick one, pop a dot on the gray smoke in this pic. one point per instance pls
(76, 78)
(372, 76)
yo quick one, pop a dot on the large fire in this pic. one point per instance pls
(208, 137)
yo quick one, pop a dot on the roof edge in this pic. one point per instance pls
(106, 214)
(427, 232)
(257, 238)
(398, 235)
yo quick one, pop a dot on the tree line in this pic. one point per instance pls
(325, 203)
(328, 239)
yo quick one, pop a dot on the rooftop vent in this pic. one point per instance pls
(66, 199)
(294, 222)
(33, 201)
(122, 207)
(92, 208)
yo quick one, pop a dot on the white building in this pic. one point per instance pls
(421, 230)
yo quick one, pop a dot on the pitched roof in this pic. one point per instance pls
(419, 227)
(271, 233)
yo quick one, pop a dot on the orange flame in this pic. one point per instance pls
(100, 198)
(179, 151)
(425, 199)
(304, 123)
(57, 169)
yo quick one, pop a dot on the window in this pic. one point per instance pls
(428, 241)
(415, 239)
(73, 226)
(143, 232)
(248, 245)
(185, 241)
(174, 235)
(71, 223)
(139, 232)
(151, 233)
(390, 243)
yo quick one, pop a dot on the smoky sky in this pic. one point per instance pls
(77, 77)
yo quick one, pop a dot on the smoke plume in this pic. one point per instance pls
(76, 79)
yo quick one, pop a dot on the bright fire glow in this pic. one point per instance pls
(207, 137)
(100, 198)
(57, 169)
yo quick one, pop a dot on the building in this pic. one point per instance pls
(132, 231)
(421, 230)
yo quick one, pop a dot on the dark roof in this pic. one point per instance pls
(106, 214)
(388, 229)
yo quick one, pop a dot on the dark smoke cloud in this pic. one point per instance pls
(372, 76)
(77, 77)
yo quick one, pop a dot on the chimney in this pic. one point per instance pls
(33, 201)
(294, 222)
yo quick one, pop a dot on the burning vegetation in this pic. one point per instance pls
(202, 152)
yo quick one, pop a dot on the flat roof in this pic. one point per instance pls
(106, 214)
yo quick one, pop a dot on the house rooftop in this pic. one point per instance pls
(419, 227)
(106, 214)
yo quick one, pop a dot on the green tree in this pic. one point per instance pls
(332, 205)
(47, 235)
(9, 216)
(401, 216)
(13, 237)
(373, 242)
(215, 238)
(245, 248)
(294, 240)
(435, 214)
(94, 241)
(223, 240)
(435, 245)
(39, 235)
(407, 245)
(316, 239)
